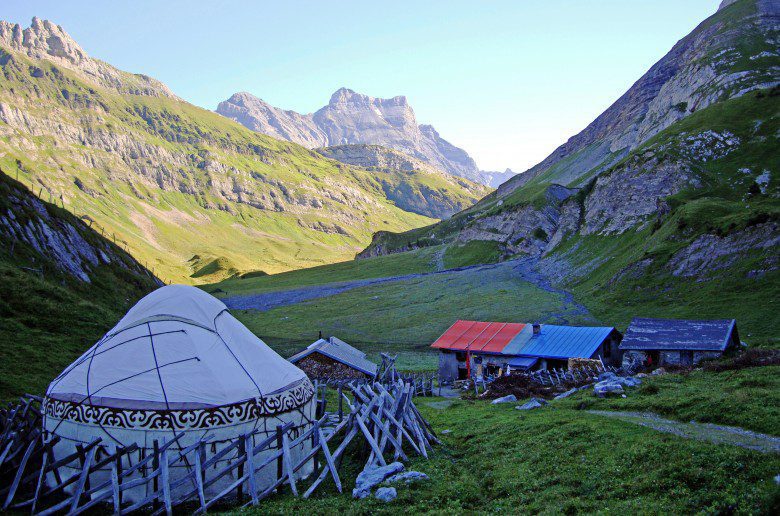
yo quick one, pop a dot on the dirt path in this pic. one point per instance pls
(717, 434)
(523, 269)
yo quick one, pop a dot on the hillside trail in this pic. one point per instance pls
(718, 434)
(519, 268)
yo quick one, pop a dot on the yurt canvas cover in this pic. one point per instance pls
(178, 361)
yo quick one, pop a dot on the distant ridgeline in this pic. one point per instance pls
(669, 201)
(63, 286)
(177, 182)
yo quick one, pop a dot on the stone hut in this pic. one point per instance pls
(661, 342)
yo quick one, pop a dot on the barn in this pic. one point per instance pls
(333, 358)
(495, 346)
(663, 342)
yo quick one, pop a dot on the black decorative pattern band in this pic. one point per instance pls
(146, 419)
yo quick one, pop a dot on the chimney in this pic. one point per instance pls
(537, 328)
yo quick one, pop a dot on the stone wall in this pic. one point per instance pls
(448, 366)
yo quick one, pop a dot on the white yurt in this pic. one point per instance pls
(178, 362)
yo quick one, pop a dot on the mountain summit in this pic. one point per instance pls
(46, 40)
(353, 118)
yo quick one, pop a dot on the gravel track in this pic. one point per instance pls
(718, 434)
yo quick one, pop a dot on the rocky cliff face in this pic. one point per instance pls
(57, 237)
(353, 118)
(262, 117)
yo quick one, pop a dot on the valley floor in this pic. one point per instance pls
(396, 313)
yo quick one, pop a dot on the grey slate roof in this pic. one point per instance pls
(339, 351)
(679, 334)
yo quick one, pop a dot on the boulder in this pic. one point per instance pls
(505, 399)
(532, 404)
(372, 476)
(408, 477)
(606, 375)
(386, 494)
(658, 371)
(627, 381)
(566, 394)
(607, 387)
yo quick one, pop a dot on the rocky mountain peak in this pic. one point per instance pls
(352, 118)
(42, 39)
(348, 96)
(725, 3)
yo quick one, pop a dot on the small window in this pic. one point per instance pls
(607, 350)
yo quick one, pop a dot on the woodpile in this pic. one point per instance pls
(317, 366)
(576, 364)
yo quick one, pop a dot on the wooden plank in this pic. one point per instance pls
(201, 452)
(331, 466)
(115, 489)
(287, 459)
(82, 479)
(250, 463)
(336, 456)
(165, 478)
(20, 473)
(41, 478)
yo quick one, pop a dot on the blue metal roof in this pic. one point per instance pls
(341, 352)
(562, 342)
(679, 334)
(525, 362)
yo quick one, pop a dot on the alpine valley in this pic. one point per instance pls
(193, 195)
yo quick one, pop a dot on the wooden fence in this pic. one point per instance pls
(33, 479)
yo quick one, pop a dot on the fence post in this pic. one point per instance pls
(242, 454)
(279, 461)
(155, 467)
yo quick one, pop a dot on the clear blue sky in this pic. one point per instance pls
(506, 80)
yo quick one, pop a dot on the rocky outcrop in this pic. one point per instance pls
(629, 195)
(46, 40)
(353, 118)
(54, 234)
(709, 253)
(376, 157)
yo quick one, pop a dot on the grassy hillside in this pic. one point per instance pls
(175, 181)
(562, 459)
(47, 316)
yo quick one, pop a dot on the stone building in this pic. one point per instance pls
(662, 342)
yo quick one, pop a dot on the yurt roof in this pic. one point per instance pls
(177, 348)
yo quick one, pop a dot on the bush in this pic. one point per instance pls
(749, 358)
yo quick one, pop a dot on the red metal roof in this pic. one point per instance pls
(488, 337)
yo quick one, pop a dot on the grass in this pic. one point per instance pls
(747, 398)
(408, 315)
(474, 252)
(417, 262)
(560, 459)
